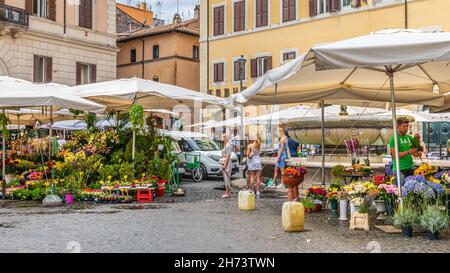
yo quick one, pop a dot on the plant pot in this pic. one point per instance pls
(318, 207)
(433, 235)
(68, 199)
(309, 210)
(390, 207)
(343, 210)
(333, 205)
(381, 206)
(291, 181)
(407, 232)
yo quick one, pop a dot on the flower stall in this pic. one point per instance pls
(93, 165)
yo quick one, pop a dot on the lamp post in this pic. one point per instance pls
(242, 62)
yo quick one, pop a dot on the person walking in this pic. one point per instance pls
(254, 164)
(236, 143)
(292, 145)
(405, 149)
(226, 165)
(281, 157)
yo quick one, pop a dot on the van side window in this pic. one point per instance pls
(184, 146)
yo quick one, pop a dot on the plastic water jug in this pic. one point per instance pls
(293, 216)
(246, 200)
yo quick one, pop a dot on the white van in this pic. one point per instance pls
(210, 152)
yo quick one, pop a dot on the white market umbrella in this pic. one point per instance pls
(391, 65)
(122, 93)
(232, 122)
(210, 122)
(67, 125)
(162, 111)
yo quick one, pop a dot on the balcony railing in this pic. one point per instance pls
(13, 15)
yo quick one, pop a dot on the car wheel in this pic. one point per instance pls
(198, 174)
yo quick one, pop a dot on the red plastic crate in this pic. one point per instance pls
(144, 196)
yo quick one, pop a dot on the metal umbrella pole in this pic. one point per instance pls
(3, 163)
(390, 72)
(322, 104)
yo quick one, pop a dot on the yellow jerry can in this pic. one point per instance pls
(293, 216)
(246, 200)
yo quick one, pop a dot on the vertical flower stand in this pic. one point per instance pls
(343, 210)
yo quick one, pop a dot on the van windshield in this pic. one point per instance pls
(203, 144)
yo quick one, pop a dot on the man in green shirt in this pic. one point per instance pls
(406, 149)
(448, 147)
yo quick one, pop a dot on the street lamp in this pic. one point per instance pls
(242, 62)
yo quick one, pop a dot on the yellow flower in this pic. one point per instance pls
(125, 177)
(109, 177)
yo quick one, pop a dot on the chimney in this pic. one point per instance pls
(143, 6)
(176, 19)
(197, 12)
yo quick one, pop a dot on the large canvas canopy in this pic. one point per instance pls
(359, 75)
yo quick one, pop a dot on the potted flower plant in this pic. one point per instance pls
(389, 193)
(308, 204)
(293, 176)
(434, 219)
(332, 197)
(406, 218)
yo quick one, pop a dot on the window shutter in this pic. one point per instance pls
(216, 21)
(29, 6)
(93, 73)
(336, 5)
(221, 72)
(236, 71)
(81, 13)
(285, 10)
(222, 20)
(292, 9)
(328, 5)
(265, 12)
(78, 76)
(51, 10)
(268, 63)
(88, 13)
(253, 68)
(237, 14)
(48, 69)
(258, 12)
(36, 68)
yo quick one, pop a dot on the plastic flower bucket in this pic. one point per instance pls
(68, 199)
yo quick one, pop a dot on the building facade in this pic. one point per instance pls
(167, 54)
(130, 19)
(269, 33)
(67, 42)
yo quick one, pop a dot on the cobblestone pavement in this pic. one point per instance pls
(198, 222)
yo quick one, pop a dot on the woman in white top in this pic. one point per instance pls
(226, 165)
(254, 164)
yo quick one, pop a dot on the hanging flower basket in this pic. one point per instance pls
(292, 181)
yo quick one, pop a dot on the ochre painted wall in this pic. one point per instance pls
(307, 31)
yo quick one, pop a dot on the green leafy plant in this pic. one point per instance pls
(22, 194)
(38, 194)
(406, 217)
(308, 203)
(136, 115)
(337, 170)
(126, 169)
(435, 218)
(364, 208)
(4, 124)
